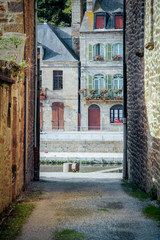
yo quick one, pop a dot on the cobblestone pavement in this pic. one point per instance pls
(79, 203)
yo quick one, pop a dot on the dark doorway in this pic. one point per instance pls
(94, 117)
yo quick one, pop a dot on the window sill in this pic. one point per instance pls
(107, 30)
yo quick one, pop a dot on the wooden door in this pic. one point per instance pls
(57, 115)
(93, 117)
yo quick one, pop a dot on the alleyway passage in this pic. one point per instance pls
(97, 208)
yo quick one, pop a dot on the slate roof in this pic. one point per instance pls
(56, 43)
(108, 6)
(111, 5)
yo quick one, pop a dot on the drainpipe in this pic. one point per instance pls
(125, 167)
(36, 118)
(79, 97)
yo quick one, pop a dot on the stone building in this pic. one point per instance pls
(101, 56)
(143, 91)
(64, 61)
(59, 73)
(17, 100)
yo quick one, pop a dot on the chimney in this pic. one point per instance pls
(77, 14)
(90, 5)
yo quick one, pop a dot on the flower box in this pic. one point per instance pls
(117, 58)
(98, 58)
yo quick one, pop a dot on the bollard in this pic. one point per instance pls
(75, 167)
(67, 167)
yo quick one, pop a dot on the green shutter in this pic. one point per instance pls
(108, 52)
(90, 52)
(90, 82)
(108, 82)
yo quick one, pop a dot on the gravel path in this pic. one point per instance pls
(77, 204)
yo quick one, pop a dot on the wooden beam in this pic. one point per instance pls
(7, 79)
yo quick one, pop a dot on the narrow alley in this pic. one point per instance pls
(97, 208)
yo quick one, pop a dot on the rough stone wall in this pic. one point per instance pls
(29, 20)
(152, 89)
(77, 13)
(143, 146)
(15, 119)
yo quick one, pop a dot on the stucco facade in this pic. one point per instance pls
(57, 56)
(107, 38)
(68, 95)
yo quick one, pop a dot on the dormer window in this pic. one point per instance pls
(99, 21)
(102, 20)
(118, 21)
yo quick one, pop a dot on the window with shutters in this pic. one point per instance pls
(117, 52)
(108, 52)
(98, 82)
(98, 51)
(116, 114)
(118, 21)
(57, 80)
(90, 82)
(90, 52)
(118, 84)
(108, 82)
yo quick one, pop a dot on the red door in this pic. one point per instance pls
(57, 115)
(93, 117)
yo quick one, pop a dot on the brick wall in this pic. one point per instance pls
(17, 106)
(143, 146)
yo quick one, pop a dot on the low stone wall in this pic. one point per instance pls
(81, 146)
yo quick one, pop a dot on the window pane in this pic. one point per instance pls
(57, 80)
(119, 22)
(101, 52)
(100, 21)
(40, 78)
(98, 82)
(121, 114)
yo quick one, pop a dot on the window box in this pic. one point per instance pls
(117, 58)
(99, 58)
(118, 121)
(101, 95)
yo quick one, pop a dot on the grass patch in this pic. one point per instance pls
(103, 209)
(68, 234)
(133, 190)
(152, 212)
(12, 225)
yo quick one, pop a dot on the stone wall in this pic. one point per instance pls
(82, 146)
(17, 106)
(143, 146)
